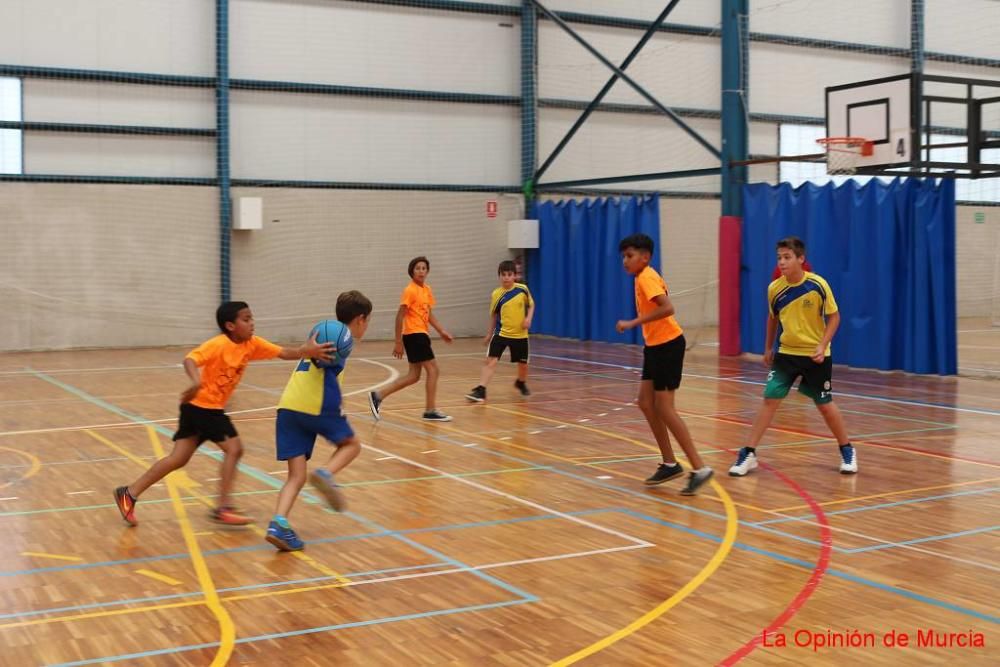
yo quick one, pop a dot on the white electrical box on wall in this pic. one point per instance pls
(522, 234)
(248, 213)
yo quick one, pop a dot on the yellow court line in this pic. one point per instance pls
(38, 554)
(883, 495)
(227, 632)
(721, 553)
(159, 577)
(616, 436)
(35, 466)
(189, 485)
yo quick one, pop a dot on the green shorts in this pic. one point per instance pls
(816, 378)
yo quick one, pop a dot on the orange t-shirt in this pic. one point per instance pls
(418, 301)
(222, 363)
(649, 284)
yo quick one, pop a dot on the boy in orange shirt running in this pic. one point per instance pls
(222, 360)
(411, 334)
(663, 362)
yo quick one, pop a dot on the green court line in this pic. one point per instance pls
(265, 491)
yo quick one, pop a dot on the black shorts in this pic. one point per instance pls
(518, 348)
(203, 423)
(817, 379)
(664, 363)
(418, 347)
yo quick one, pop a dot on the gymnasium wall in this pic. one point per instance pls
(120, 248)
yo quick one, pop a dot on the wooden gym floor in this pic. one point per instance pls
(519, 534)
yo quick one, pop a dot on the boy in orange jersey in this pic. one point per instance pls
(663, 362)
(222, 360)
(412, 320)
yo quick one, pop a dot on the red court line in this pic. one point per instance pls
(822, 563)
(869, 443)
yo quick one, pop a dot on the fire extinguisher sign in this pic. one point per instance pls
(491, 208)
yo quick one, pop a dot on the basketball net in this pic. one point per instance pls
(844, 153)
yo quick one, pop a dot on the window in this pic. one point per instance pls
(801, 140)
(10, 140)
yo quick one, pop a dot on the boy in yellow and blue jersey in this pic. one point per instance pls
(311, 405)
(803, 302)
(511, 311)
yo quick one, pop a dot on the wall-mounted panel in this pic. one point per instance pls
(118, 155)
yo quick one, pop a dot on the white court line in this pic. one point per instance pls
(717, 378)
(533, 432)
(471, 444)
(909, 547)
(517, 499)
(492, 566)
(9, 498)
(393, 374)
(277, 472)
(385, 458)
(430, 451)
(77, 493)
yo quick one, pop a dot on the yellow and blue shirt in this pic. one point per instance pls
(313, 390)
(801, 308)
(511, 307)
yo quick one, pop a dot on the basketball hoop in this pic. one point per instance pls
(844, 153)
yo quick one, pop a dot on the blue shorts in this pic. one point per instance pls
(295, 432)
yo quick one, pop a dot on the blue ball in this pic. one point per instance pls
(336, 332)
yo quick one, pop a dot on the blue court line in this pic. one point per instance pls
(295, 633)
(920, 540)
(268, 547)
(649, 497)
(175, 596)
(912, 501)
(809, 566)
(273, 483)
(876, 397)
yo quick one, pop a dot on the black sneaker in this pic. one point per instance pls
(373, 404)
(665, 473)
(523, 388)
(695, 479)
(436, 416)
(477, 395)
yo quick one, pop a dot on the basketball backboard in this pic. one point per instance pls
(924, 125)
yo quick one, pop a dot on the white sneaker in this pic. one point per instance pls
(848, 460)
(745, 462)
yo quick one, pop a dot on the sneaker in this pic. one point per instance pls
(477, 395)
(373, 404)
(126, 505)
(436, 416)
(283, 538)
(523, 388)
(848, 460)
(322, 481)
(695, 479)
(665, 473)
(745, 462)
(229, 516)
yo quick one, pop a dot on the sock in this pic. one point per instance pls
(847, 445)
(281, 521)
(752, 450)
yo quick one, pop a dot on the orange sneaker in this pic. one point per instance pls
(229, 516)
(126, 505)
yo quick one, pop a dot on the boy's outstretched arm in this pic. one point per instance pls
(772, 331)
(529, 316)
(664, 308)
(445, 336)
(309, 350)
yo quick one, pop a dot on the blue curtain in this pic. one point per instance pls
(576, 273)
(888, 252)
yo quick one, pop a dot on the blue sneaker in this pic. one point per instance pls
(283, 538)
(322, 481)
(848, 460)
